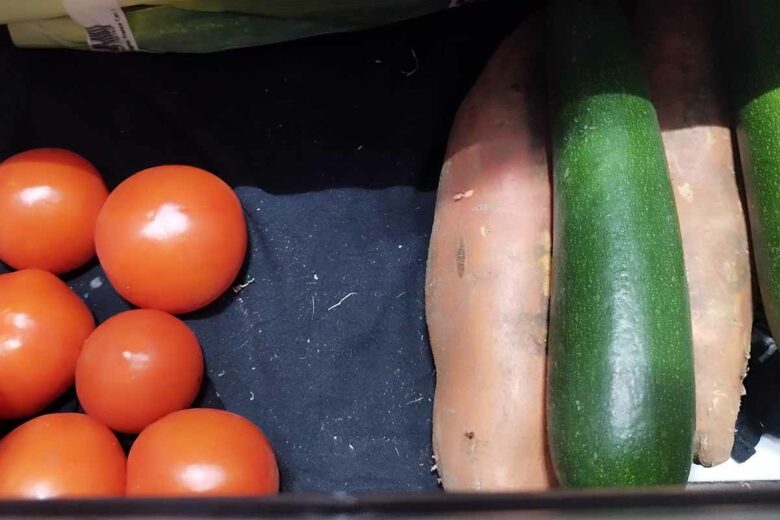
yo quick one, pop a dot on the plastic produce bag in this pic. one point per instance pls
(195, 25)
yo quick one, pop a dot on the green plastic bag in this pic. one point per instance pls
(205, 25)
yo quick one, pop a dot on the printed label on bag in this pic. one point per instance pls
(105, 24)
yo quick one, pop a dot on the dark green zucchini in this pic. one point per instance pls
(757, 88)
(621, 408)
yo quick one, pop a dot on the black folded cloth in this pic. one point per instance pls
(760, 412)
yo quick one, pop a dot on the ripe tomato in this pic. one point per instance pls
(137, 367)
(202, 452)
(171, 238)
(43, 325)
(61, 455)
(49, 202)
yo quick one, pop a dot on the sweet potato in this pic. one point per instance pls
(678, 38)
(487, 285)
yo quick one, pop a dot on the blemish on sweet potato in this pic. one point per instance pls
(460, 258)
(463, 195)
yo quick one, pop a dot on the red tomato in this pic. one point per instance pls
(137, 367)
(61, 455)
(49, 202)
(171, 238)
(42, 328)
(202, 452)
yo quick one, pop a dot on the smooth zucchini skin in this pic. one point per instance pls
(621, 405)
(757, 89)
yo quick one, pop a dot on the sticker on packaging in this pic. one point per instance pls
(105, 24)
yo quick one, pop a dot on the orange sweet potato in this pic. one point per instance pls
(487, 284)
(678, 42)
